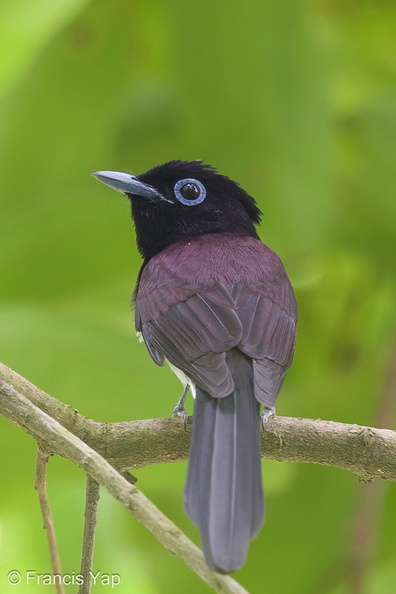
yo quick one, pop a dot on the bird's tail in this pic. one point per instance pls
(223, 492)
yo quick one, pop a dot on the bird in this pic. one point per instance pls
(215, 303)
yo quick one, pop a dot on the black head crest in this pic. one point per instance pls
(220, 185)
(183, 198)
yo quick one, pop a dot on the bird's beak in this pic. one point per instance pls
(129, 184)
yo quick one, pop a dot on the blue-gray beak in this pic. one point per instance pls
(129, 184)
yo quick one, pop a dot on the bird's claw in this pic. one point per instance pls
(182, 413)
(268, 412)
(179, 410)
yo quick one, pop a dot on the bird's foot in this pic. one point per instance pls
(268, 411)
(179, 410)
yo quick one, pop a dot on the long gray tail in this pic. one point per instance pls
(223, 493)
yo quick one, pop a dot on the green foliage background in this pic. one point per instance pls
(297, 101)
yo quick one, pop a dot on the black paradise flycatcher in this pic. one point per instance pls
(215, 303)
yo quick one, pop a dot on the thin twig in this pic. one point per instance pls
(365, 522)
(91, 513)
(59, 440)
(48, 524)
(364, 535)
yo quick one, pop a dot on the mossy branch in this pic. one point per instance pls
(367, 452)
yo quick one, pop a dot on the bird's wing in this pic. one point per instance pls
(192, 334)
(269, 332)
(193, 331)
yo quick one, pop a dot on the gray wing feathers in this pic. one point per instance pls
(198, 326)
(268, 338)
(194, 335)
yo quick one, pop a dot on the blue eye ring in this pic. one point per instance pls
(194, 182)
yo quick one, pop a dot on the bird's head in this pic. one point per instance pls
(183, 198)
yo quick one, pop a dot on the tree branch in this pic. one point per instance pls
(90, 518)
(48, 523)
(57, 439)
(365, 451)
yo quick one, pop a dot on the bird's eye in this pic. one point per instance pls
(190, 191)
